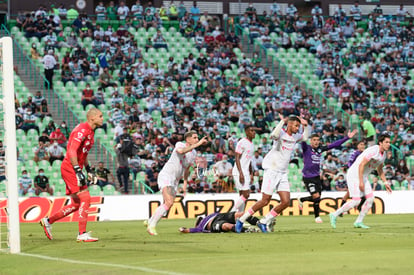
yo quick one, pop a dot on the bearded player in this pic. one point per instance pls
(312, 156)
(177, 167)
(357, 179)
(80, 143)
(275, 165)
(242, 170)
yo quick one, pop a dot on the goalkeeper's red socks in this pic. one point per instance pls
(85, 201)
(65, 211)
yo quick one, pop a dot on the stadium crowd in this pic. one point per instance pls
(370, 79)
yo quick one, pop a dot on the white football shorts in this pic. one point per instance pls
(274, 181)
(245, 185)
(353, 186)
(164, 180)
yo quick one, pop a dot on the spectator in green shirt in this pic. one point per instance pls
(111, 11)
(72, 13)
(369, 130)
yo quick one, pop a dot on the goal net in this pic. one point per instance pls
(9, 206)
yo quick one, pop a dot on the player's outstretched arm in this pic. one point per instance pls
(187, 149)
(184, 230)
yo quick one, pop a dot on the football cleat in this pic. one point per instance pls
(86, 238)
(332, 218)
(318, 220)
(360, 225)
(262, 227)
(252, 229)
(270, 227)
(300, 203)
(47, 227)
(239, 226)
(152, 231)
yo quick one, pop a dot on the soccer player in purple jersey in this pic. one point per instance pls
(217, 223)
(311, 171)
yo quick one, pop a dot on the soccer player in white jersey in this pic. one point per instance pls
(243, 171)
(357, 179)
(177, 167)
(275, 165)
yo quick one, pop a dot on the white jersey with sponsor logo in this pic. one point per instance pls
(177, 163)
(246, 148)
(279, 157)
(375, 157)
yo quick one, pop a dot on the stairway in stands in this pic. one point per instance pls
(56, 108)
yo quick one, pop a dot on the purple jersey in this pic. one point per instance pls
(201, 227)
(312, 157)
(353, 157)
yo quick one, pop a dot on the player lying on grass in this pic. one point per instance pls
(219, 222)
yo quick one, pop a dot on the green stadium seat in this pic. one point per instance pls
(109, 190)
(59, 187)
(94, 190)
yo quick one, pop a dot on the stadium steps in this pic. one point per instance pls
(55, 105)
(279, 72)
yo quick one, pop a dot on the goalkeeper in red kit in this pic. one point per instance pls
(80, 143)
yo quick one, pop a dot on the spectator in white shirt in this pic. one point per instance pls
(223, 168)
(55, 152)
(49, 63)
(257, 161)
(123, 11)
(401, 13)
(356, 12)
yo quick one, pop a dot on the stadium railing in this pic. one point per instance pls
(56, 102)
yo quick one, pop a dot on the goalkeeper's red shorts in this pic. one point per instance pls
(69, 176)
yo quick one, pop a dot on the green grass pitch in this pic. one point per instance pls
(298, 246)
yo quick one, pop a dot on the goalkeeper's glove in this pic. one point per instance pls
(79, 175)
(92, 178)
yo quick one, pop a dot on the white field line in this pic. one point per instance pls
(139, 268)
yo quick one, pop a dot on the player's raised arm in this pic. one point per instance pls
(352, 134)
(276, 132)
(306, 131)
(381, 174)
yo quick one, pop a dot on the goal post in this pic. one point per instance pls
(7, 100)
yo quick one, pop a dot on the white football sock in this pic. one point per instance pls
(364, 209)
(159, 213)
(239, 205)
(347, 206)
(246, 215)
